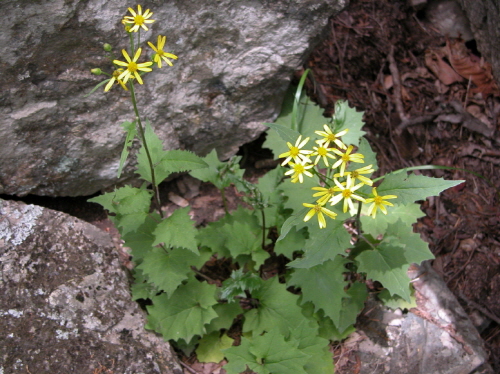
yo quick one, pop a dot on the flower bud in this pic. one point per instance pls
(106, 47)
(96, 71)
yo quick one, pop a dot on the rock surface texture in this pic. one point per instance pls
(484, 16)
(236, 59)
(436, 337)
(65, 305)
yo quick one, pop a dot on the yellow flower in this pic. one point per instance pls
(319, 210)
(132, 66)
(114, 79)
(378, 203)
(160, 54)
(330, 137)
(325, 193)
(347, 193)
(295, 152)
(356, 174)
(298, 169)
(138, 19)
(346, 157)
(322, 152)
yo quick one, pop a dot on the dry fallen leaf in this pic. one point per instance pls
(434, 60)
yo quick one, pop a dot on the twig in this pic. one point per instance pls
(188, 368)
(396, 79)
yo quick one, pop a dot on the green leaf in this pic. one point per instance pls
(284, 132)
(277, 309)
(410, 188)
(131, 130)
(348, 118)
(242, 240)
(408, 214)
(142, 288)
(293, 242)
(266, 354)
(167, 270)
(220, 174)
(352, 305)
(178, 160)
(370, 157)
(388, 265)
(185, 313)
(238, 283)
(131, 222)
(306, 335)
(141, 240)
(211, 347)
(395, 302)
(415, 250)
(155, 147)
(177, 231)
(125, 200)
(299, 193)
(294, 220)
(321, 280)
(323, 245)
(226, 313)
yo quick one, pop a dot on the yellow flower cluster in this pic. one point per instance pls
(131, 68)
(342, 185)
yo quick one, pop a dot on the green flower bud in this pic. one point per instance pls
(96, 71)
(106, 47)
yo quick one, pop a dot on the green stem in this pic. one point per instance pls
(224, 201)
(156, 192)
(263, 228)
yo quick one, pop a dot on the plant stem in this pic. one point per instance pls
(263, 228)
(156, 192)
(224, 201)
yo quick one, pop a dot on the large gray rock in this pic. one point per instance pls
(236, 59)
(65, 305)
(484, 17)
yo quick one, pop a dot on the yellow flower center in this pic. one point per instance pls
(317, 208)
(132, 67)
(298, 168)
(331, 137)
(354, 174)
(346, 193)
(345, 157)
(322, 151)
(138, 19)
(378, 200)
(294, 151)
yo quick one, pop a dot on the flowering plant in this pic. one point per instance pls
(283, 317)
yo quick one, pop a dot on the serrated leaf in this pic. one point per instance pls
(293, 242)
(370, 157)
(284, 132)
(266, 354)
(294, 220)
(277, 309)
(226, 313)
(242, 240)
(177, 231)
(388, 265)
(412, 187)
(142, 288)
(156, 152)
(238, 283)
(165, 270)
(178, 160)
(352, 305)
(323, 245)
(220, 174)
(299, 193)
(306, 335)
(395, 302)
(416, 250)
(141, 240)
(125, 200)
(321, 280)
(348, 118)
(131, 222)
(211, 346)
(131, 130)
(185, 314)
(408, 214)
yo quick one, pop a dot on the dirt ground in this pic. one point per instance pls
(387, 61)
